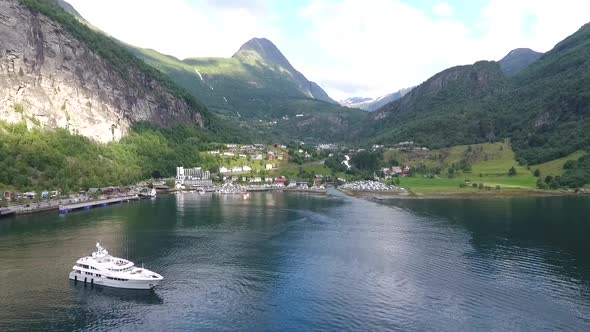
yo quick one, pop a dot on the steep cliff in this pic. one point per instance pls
(51, 78)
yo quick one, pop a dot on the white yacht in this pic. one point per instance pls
(106, 270)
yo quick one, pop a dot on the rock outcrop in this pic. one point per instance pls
(48, 78)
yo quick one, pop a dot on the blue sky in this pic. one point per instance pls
(350, 47)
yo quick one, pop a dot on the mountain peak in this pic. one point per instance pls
(263, 49)
(70, 10)
(517, 60)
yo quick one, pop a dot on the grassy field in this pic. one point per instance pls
(555, 167)
(490, 163)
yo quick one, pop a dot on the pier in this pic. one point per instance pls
(5, 212)
(66, 208)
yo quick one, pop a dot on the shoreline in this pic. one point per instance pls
(377, 196)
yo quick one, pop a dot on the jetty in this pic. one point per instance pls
(66, 208)
(5, 212)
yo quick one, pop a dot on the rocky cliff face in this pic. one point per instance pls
(50, 79)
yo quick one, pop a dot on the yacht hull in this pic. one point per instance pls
(102, 281)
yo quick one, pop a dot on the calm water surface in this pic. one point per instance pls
(295, 262)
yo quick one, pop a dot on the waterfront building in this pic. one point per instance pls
(193, 177)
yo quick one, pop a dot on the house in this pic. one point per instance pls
(258, 157)
(268, 167)
(236, 169)
(229, 154)
(268, 180)
(281, 181)
(247, 169)
(406, 171)
(223, 169)
(256, 179)
(243, 156)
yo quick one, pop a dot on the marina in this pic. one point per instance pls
(66, 208)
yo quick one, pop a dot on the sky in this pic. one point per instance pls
(350, 48)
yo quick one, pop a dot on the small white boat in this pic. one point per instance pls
(105, 270)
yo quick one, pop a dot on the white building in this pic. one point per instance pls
(268, 167)
(247, 169)
(223, 169)
(195, 176)
(236, 170)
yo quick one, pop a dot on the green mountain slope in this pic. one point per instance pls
(544, 109)
(249, 84)
(258, 89)
(448, 109)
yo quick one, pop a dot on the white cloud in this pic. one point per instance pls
(350, 47)
(388, 44)
(442, 9)
(212, 28)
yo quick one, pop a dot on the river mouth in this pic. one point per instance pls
(286, 261)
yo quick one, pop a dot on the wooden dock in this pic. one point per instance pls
(66, 208)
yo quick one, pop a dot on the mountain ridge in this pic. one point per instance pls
(517, 60)
(544, 109)
(373, 104)
(267, 51)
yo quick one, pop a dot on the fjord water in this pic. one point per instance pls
(277, 261)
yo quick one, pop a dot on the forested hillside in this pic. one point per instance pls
(544, 109)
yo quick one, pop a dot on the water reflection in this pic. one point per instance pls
(278, 261)
(82, 292)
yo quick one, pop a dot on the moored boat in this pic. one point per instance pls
(105, 270)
